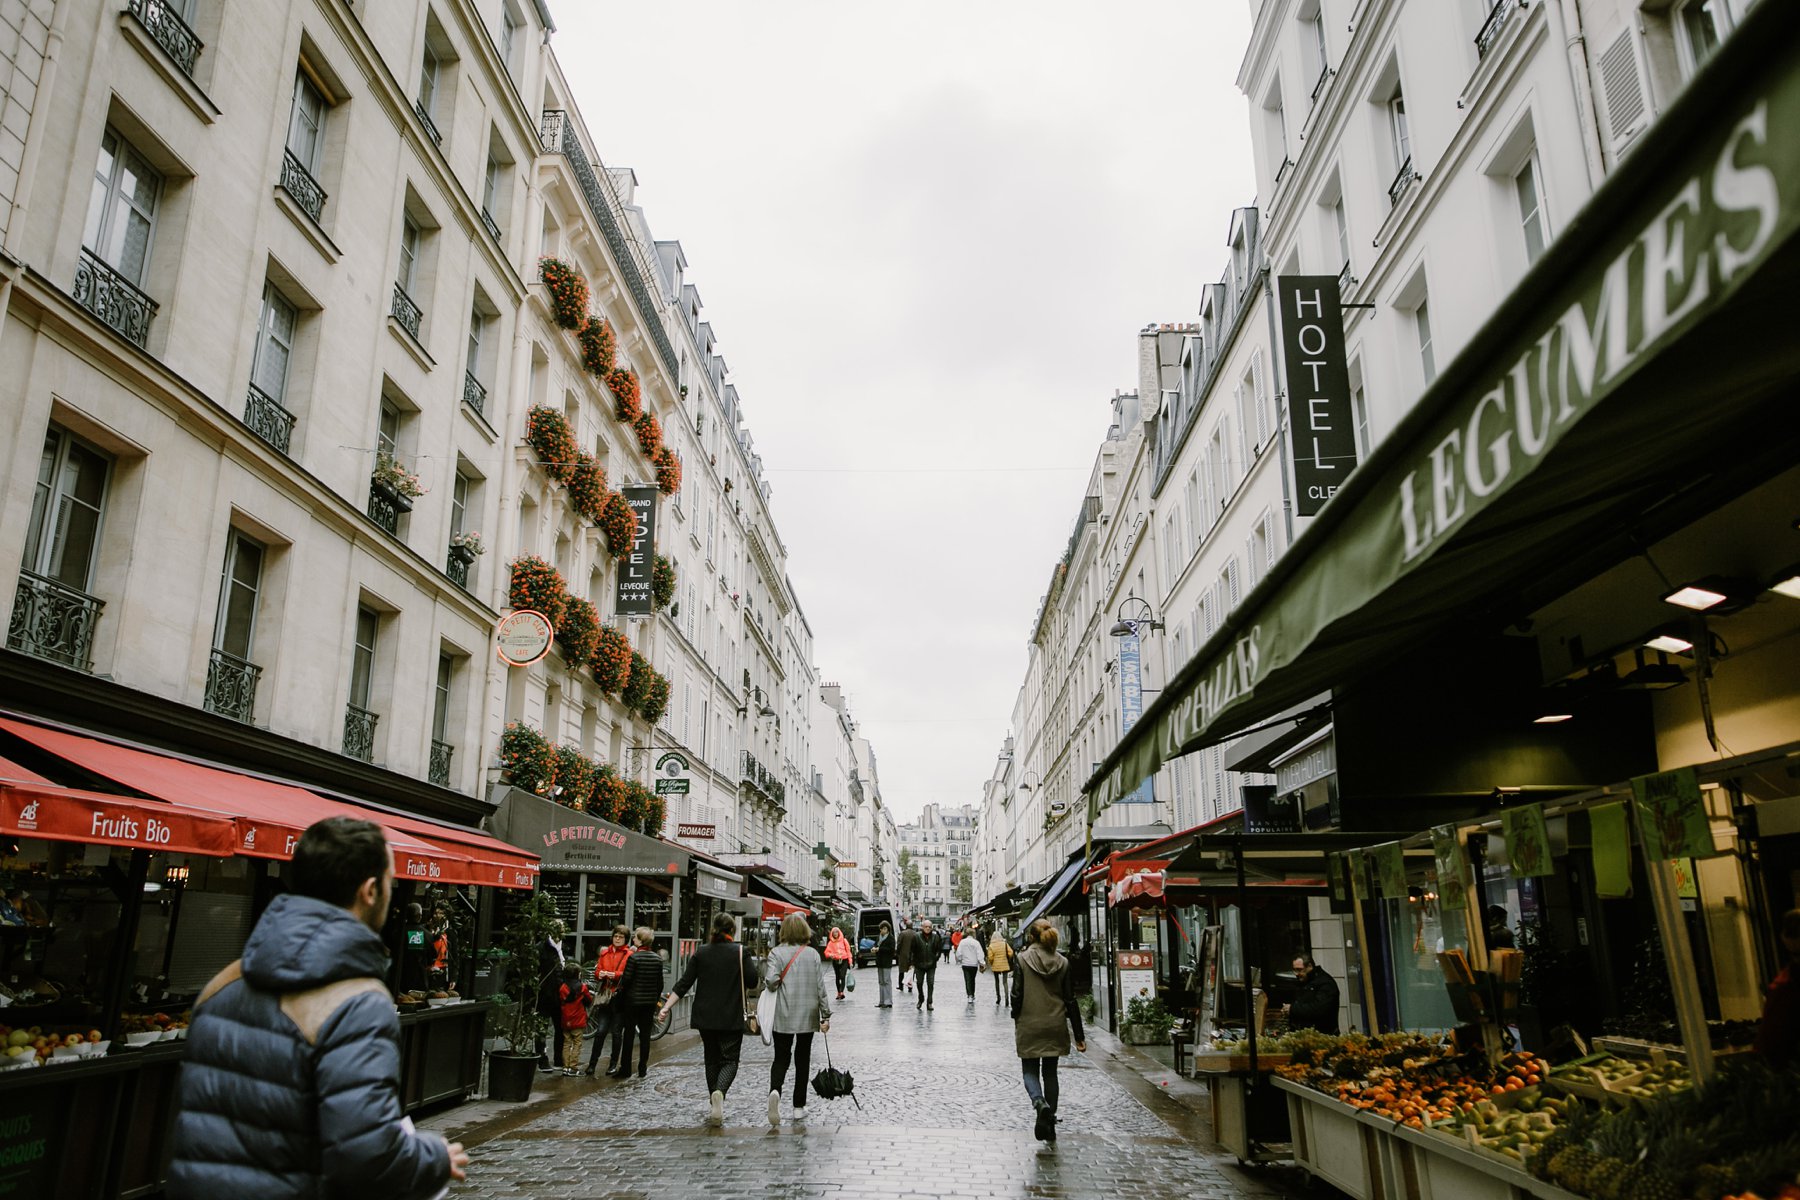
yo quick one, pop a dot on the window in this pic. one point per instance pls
(476, 322)
(1531, 209)
(1257, 550)
(306, 123)
(234, 629)
(459, 503)
(1342, 229)
(429, 69)
(490, 186)
(362, 658)
(387, 430)
(274, 345)
(64, 533)
(1359, 412)
(1172, 558)
(509, 37)
(1422, 319)
(1397, 128)
(440, 710)
(1196, 504)
(121, 214)
(409, 252)
(1704, 24)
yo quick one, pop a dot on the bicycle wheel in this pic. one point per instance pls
(660, 1027)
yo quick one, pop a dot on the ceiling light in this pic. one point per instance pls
(1712, 593)
(1788, 583)
(1694, 596)
(1668, 643)
(1554, 718)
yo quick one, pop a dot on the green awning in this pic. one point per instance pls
(1646, 365)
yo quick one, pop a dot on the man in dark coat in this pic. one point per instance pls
(291, 1082)
(908, 949)
(925, 962)
(1315, 1003)
(549, 1005)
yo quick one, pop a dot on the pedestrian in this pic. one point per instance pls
(1044, 1012)
(908, 954)
(925, 962)
(956, 936)
(796, 974)
(1000, 962)
(838, 953)
(1315, 1004)
(1778, 1033)
(719, 974)
(1497, 935)
(884, 965)
(574, 996)
(290, 1084)
(549, 978)
(440, 948)
(944, 946)
(608, 1014)
(972, 959)
(415, 957)
(640, 990)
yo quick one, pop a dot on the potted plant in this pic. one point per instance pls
(637, 686)
(527, 758)
(399, 485)
(619, 524)
(657, 702)
(649, 433)
(662, 581)
(538, 586)
(608, 800)
(578, 631)
(574, 777)
(654, 818)
(587, 487)
(551, 439)
(1147, 1022)
(668, 470)
(611, 660)
(598, 346)
(622, 382)
(568, 292)
(511, 1071)
(467, 546)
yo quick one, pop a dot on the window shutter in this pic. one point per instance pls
(1263, 421)
(1623, 89)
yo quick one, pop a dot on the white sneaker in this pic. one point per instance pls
(775, 1110)
(716, 1113)
(800, 1115)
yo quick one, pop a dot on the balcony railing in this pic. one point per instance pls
(493, 226)
(385, 507)
(231, 686)
(1282, 172)
(430, 125)
(1346, 281)
(267, 419)
(1320, 82)
(439, 772)
(474, 394)
(301, 185)
(457, 565)
(1490, 28)
(169, 30)
(559, 137)
(112, 297)
(359, 732)
(1402, 181)
(406, 311)
(54, 621)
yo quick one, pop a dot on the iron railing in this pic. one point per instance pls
(54, 621)
(1490, 28)
(1402, 181)
(112, 297)
(359, 732)
(231, 686)
(1320, 82)
(386, 505)
(1346, 281)
(300, 184)
(425, 119)
(457, 565)
(439, 772)
(474, 394)
(559, 137)
(267, 419)
(1281, 172)
(169, 30)
(406, 311)
(493, 226)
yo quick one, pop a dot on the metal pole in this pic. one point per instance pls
(1237, 849)
(1690, 1011)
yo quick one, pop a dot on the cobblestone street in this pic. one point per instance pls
(942, 1114)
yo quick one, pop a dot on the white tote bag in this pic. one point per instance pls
(765, 1017)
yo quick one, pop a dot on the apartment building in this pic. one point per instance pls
(939, 844)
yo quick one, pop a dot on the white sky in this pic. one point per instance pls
(926, 236)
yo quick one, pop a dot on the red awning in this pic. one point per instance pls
(494, 861)
(269, 816)
(776, 909)
(43, 810)
(1148, 884)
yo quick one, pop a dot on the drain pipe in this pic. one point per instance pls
(1582, 79)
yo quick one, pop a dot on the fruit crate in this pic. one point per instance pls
(1572, 1080)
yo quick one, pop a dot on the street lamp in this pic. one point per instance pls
(1144, 618)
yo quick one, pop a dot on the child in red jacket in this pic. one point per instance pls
(574, 995)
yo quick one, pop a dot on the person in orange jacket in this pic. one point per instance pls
(839, 953)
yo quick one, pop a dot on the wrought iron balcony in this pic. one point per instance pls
(267, 419)
(430, 125)
(231, 686)
(1490, 28)
(493, 226)
(359, 732)
(474, 394)
(406, 311)
(301, 185)
(112, 297)
(169, 30)
(54, 621)
(439, 772)
(386, 505)
(1402, 181)
(457, 565)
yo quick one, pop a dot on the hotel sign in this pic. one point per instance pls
(633, 595)
(1318, 386)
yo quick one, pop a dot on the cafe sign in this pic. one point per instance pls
(523, 637)
(672, 775)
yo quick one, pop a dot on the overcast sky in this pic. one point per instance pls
(926, 236)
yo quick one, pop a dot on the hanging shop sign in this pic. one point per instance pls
(523, 637)
(1671, 812)
(1312, 345)
(569, 840)
(1390, 870)
(1136, 970)
(672, 775)
(1269, 811)
(633, 595)
(697, 833)
(1452, 867)
(1131, 705)
(1609, 836)
(1359, 875)
(1527, 841)
(723, 885)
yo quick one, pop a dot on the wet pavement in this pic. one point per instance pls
(943, 1114)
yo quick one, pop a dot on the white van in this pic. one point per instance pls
(868, 931)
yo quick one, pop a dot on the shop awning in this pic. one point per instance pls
(34, 807)
(570, 840)
(1003, 900)
(774, 889)
(1147, 884)
(774, 910)
(1060, 886)
(717, 881)
(1643, 369)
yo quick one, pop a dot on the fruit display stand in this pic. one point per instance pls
(1243, 1116)
(440, 1052)
(91, 1128)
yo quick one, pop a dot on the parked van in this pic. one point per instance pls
(868, 931)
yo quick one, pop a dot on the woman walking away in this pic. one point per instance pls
(574, 996)
(608, 1015)
(639, 992)
(839, 954)
(1044, 1011)
(971, 958)
(719, 974)
(796, 974)
(1000, 962)
(884, 965)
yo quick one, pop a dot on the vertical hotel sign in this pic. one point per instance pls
(1318, 386)
(634, 594)
(1131, 704)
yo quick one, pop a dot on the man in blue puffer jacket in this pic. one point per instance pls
(290, 1086)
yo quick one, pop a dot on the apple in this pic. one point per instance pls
(19, 1037)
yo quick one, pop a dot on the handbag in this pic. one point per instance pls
(752, 1019)
(850, 981)
(765, 1004)
(830, 1083)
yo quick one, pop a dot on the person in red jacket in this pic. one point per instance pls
(839, 954)
(574, 996)
(1778, 1036)
(607, 974)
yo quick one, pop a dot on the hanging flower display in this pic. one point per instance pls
(608, 798)
(527, 758)
(395, 478)
(611, 659)
(470, 540)
(658, 813)
(568, 292)
(637, 688)
(574, 777)
(578, 631)
(551, 439)
(538, 585)
(657, 702)
(598, 345)
(649, 432)
(587, 487)
(623, 383)
(662, 581)
(634, 805)
(618, 523)
(668, 470)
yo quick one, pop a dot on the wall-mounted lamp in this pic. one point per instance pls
(764, 711)
(1142, 617)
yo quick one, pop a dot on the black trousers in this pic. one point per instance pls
(721, 1047)
(603, 1025)
(796, 1047)
(636, 1019)
(926, 977)
(840, 968)
(969, 974)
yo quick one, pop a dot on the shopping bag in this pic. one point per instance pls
(850, 982)
(765, 1017)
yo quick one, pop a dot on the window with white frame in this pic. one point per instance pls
(1399, 133)
(1422, 327)
(362, 657)
(1313, 38)
(1701, 25)
(461, 492)
(440, 698)
(431, 69)
(306, 123)
(274, 351)
(1340, 226)
(410, 238)
(1531, 208)
(1258, 552)
(1359, 412)
(490, 188)
(1195, 499)
(234, 625)
(511, 26)
(121, 216)
(63, 537)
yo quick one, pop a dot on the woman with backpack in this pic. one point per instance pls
(796, 974)
(1044, 1011)
(1000, 962)
(639, 991)
(719, 973)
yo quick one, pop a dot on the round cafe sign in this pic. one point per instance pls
(523, 637)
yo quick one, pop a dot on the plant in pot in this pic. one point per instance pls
(657, 701)
(611, 659)
(662, 581)
(1147, 1022)
(510, 1071)
(637, 685)
(668, 470)
(399, 485)
(598, 345)
(628, 399)
(578, 631)
(568, 292)
(649, 433)
(619, 524)
(527, 758)
(548, 433)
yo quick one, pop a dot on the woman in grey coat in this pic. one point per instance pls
(1044, 1011)
(796, 974)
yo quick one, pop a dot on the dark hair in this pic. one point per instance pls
(571, 971)
(335, 857)
(723, 926)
